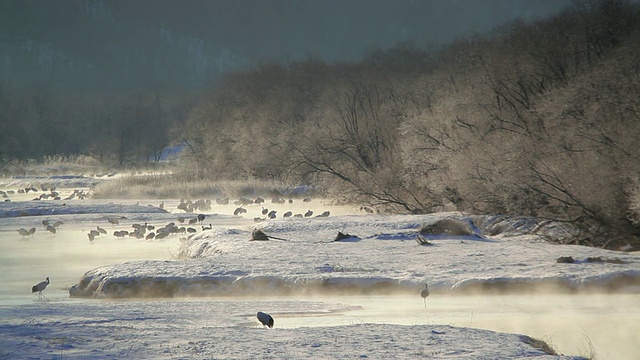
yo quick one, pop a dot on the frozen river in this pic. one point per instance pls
(572, 324)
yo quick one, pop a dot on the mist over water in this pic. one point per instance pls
(64, 257)
(608, 324)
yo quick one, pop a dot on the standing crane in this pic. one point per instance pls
(424, 293)
(265, 319)
(40, 287)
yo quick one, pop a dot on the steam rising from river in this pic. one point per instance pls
(569, 322)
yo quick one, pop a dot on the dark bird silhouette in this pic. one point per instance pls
(264, 318)
(272, 214)
(324, 214)
(43, 285)
(265, 211)
(424, 293)
(308, 213)
(366, 209)
(287, 214)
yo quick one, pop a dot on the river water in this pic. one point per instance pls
(606, 325)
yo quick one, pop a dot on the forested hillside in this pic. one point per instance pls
(538, 119)
(113, 79)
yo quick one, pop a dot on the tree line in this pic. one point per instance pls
(537, 119)
(117, 129)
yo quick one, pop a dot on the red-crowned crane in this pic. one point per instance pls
(51, 229)
(24, 232)
(424, 293)
(40, 287)
(265, 319)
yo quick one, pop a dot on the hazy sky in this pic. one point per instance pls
(120, 43)
(332, 29)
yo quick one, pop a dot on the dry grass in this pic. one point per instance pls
(54, 165)
(539, 344)
(157, 186)
(75, 165)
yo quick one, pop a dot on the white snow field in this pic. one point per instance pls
(195, 296)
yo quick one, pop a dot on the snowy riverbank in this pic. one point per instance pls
(383, 258)
(209, 295)
(206, 329)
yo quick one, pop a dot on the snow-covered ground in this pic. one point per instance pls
(226, 278)
(383, 258)
(205, 329)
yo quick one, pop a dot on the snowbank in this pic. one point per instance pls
(36, 208)
(57, 181)
(206, 329)
(386, 259)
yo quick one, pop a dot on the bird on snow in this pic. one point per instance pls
(265, 319)
(308, 213)
(51, 229)
(24, 232)
(366, 209)
(40, 287)
(424, 293)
